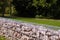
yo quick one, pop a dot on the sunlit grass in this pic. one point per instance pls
(40, 21)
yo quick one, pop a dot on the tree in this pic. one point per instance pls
(56, 10)
(3, 6)
(9, 3)
(25, 8)
(31, 8)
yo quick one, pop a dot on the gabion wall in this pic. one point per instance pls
(13, 30)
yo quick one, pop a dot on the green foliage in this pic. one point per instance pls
(24, 8)
(39, 3)
(43, 3)
(31, 8)
(4, 5)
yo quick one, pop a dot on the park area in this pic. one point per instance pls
(30, 20)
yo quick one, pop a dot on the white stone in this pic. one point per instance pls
(54, 38)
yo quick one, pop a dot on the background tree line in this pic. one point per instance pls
(35, 8)
(6, 7)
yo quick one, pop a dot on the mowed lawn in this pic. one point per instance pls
(39, 21)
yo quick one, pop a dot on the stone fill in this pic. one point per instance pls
(14, 30)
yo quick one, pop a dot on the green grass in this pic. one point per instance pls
(2, 38)
(40, 21)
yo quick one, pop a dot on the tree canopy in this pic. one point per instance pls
(31, 8)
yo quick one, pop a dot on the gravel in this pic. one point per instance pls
(14, 30)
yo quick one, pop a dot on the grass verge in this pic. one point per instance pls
(39, 21)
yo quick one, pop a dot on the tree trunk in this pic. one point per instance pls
(3, 8)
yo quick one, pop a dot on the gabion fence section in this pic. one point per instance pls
(14, 30)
